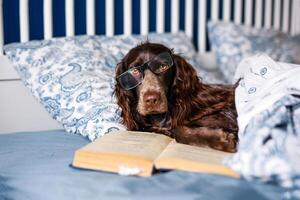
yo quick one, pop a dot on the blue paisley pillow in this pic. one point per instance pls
(73, 77)
(232, 43)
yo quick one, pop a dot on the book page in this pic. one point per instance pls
(122, 152)
(141, 144)
(191, 158)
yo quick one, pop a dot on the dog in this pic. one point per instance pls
(159, 91)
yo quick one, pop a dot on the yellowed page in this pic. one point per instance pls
(122, 149)
(191, 158)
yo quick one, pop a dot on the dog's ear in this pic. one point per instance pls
(186, 79)
(125, 100)
(185, 88)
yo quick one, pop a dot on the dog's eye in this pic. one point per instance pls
(163, 68)
(135, 72)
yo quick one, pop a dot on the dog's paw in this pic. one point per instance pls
(226, 142)
(178, 133)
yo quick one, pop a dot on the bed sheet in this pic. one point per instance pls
(36, 165)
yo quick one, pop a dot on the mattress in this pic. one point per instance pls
(36, 165)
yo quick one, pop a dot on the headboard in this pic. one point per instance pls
(112, 17)
(19, 111)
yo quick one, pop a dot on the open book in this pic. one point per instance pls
(139, 153)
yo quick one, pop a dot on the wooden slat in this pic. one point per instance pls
(258, 13)
(160, 16)
(144, 17)
(189, 18)
(226, 10)
(174, 16)
(292, 31)
(90, 17)
(248, 12)
(48, 32)
(268, 14)
(238, 12)
(24, 21)
(127, 17)
(285, 19)
(276, 14)
(1, 28)
(109, 17)
(202, 26)
(215, 10)
(297, 17)
(70, 27)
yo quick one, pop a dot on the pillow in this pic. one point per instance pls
(68, 77)
(291, 46)
(232, 43)
(206, 75)
(73, 77)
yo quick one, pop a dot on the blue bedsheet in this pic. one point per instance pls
(36, 166)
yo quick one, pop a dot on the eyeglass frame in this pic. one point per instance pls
(143, 67)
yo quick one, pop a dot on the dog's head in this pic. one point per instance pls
(150, 81)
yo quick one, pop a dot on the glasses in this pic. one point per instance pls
(135, 75)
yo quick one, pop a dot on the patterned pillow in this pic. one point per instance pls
(232, 43)
(73, 77)
(68, 77)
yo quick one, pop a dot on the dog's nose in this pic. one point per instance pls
(151, 98)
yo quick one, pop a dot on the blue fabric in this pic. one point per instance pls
(35, 166)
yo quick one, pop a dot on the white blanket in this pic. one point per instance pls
(263, 82)
(268, 106)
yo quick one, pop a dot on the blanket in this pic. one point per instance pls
(268, 105)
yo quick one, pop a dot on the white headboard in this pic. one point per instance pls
(19, 111)
(281, 15)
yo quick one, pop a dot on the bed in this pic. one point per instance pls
(36, 151)
(36, 165)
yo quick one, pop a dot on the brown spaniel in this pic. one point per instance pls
(159, 91)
